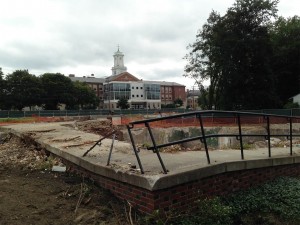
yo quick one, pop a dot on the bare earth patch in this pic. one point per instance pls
(30, 193)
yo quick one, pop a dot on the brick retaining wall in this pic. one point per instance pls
(184, 196)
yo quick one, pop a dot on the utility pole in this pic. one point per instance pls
(194, 97)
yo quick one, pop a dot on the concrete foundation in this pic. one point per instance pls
(190, 177)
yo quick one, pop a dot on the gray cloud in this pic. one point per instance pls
(81, 36)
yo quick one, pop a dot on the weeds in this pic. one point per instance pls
(273, 203)
(280, 197)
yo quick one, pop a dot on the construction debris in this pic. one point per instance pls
(100, 127)
(41, 131)
(80, 144)
(18, 152)
(66, 139)
(59, 168)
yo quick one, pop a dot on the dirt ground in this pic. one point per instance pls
(31, 193)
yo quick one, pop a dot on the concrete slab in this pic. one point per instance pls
(64, 141)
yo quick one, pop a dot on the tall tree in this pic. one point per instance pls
(233, 51)
(123, 103)
(178, 102)
(203, 59)
(2, 90)
(85, 96)
(22, 89)
(58, 89)
(285, 35)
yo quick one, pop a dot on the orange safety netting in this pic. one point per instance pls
(208, 121)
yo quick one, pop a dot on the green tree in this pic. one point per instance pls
(291, 105)
(178, 102)
(285, 35)
(233, 52)
(203, 99)
(58, 89)
(85, 96)
(22, 89)
(2, 89)
(203, 61)
(123, 103)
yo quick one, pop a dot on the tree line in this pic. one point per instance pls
(21, 89)
(250, 56)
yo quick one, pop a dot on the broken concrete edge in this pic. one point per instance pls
(163, 181)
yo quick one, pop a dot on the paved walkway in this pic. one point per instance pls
(63, 140)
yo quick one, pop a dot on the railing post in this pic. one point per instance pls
(134, 149)
(291, 136)
(240, 136)
(111, 148)
(203, 137)
(268, 135)
(156, 150)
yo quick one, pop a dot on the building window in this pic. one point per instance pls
(142, 95)
(137, 96)
(137, 87)
(132, 96)
(141, 87)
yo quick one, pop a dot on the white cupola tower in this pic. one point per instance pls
(118, 63)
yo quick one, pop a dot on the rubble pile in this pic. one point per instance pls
(15, 152)
(100, 127)
(277, 143)
(180, 148)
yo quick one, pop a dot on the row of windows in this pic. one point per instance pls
(126, 87)
(152, 87)
(126, 94)
(95, 89)
(136, 106)
(117, 87)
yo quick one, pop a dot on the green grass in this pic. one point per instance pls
(16, 120)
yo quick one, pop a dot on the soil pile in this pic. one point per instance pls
(100, 127)
(30, 193)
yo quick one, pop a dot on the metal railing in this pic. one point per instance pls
(203, 137)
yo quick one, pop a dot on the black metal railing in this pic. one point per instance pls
(203, 137)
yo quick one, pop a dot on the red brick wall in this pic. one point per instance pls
(183, 197)
(179, 92)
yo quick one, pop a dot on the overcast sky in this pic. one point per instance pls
(80, 36)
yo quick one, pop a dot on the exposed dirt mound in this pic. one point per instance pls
(100, 127)
(30, 193)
